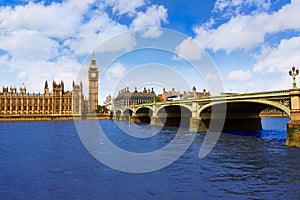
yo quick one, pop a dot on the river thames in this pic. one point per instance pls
(47, 160)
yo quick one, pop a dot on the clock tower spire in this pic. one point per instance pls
(93, 74)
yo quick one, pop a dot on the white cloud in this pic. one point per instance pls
(153, 18)
(34, 73)
(150, 32)
(116, 70)
(189, 49)
(74, 25)
(97, 31)
(80, 7)
(40, 41)
(239, 75)
(29, 45)
(122, 7)
(4, 59)
(55, 20)
(210, 78)
(248, 31)
(35, 30)
(280, 58)
(124, 41)
(231, 7)
(236, 34)
(284, 82)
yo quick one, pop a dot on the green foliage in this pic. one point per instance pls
(156, 99)
(101, 109)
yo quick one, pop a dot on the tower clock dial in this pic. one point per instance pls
(93, 75)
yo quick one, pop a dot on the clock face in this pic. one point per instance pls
(93, 75)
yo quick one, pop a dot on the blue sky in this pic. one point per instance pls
(253, 43)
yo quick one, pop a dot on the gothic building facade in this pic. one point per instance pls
(57, 103)
(126, 98)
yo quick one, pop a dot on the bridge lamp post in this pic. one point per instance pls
(293, 73)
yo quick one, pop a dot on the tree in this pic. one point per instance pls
(156, 99)
(108, 102)
(101, 109)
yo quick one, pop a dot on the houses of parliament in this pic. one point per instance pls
(56, 104)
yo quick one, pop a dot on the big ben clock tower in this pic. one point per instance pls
(93, 85)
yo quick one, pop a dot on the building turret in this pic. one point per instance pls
(23, 89)
(77, 99)
(13, 90)
(46, 89)
(5, 90)
(62, 85)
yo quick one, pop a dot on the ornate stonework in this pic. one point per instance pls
(59, 103)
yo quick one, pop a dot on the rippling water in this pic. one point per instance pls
(46, 160)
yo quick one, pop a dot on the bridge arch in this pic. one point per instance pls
(143, 114)
(259, 101)
(131, 110)
(145, 106)
(174, 115)
(127, 114)
(118, 114)
(177, 104)
(241, 114)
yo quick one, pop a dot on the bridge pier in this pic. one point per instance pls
(293, 134)
(157, 121)
(293, 127)
(197, 125)
(121, 118)
(134, 118)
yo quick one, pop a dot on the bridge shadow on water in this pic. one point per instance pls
(273, 129)
(171, 117)
(175, 118)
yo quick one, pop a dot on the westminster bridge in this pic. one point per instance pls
(231, 111)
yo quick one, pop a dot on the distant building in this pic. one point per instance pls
(170, 95)
(56, 103)
(126, 98)
(59, 102)
(190, 95)
(176, 95)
